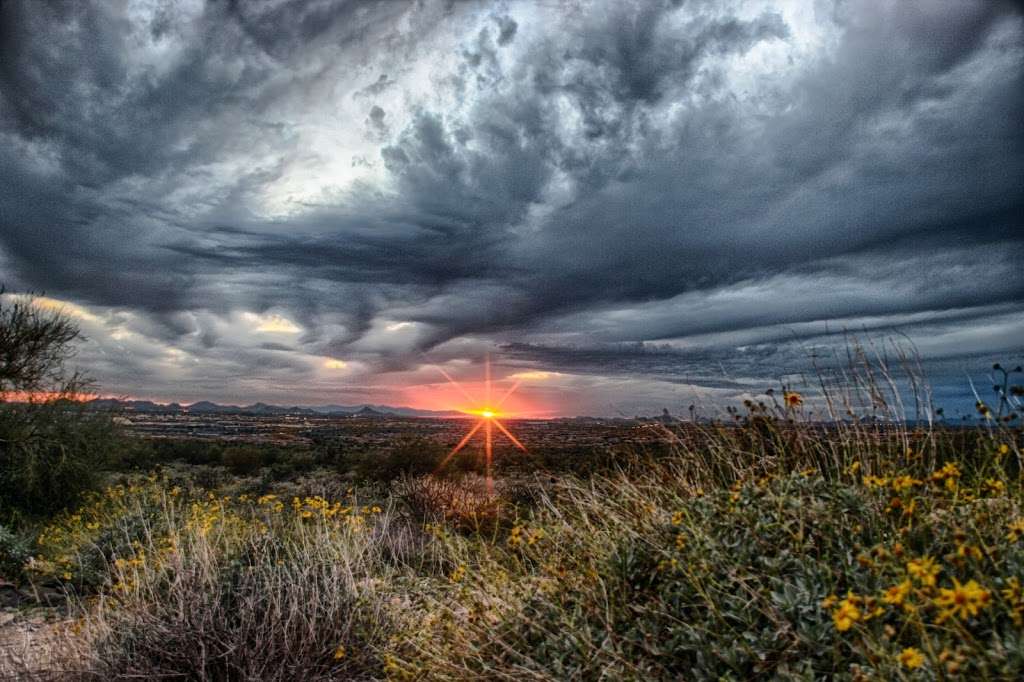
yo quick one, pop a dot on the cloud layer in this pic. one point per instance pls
(309, 201)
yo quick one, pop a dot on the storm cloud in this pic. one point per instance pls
(310, 201)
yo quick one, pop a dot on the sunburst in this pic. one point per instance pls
(488, 412)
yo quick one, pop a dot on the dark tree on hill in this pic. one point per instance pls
(34, 345)
(52, 448)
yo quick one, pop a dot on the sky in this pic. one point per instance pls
(627, 206)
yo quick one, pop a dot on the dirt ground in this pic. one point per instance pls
(28, 635)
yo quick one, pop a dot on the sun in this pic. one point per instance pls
(488, 420)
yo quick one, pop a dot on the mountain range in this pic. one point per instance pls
(207, 407)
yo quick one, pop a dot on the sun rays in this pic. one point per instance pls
(488, 411)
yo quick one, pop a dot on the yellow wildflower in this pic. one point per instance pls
(515, 536)
(1016, 530)
(901, 483)
(792, 399)
(897, 593)
(340, 652)
(911, 658)
(924, 569)
(1014, 596)
(949, 470)
(846, 614)
(1013, 592)
(994, 486)
(968, 551)
(962, 601)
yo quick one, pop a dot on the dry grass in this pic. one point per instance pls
(770, 546)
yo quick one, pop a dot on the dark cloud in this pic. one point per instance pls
(507, 27)
(399, 180)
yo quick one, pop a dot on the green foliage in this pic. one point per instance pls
(409, 457)
(247, 459)
(50, 455)
(191, 451)
(51, 449)
(14, 552)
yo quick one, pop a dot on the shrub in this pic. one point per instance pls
(246, 459)
(50, 455)
(780, 575)
(413, 457)
(191, 451)
(240, 588)
(77, 547)
(466, 504)
(51, 449)
(14, 552)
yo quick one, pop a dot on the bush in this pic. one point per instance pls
(246, 459)
(410, 457)
(50, 455)
(51, 449)
(242, 589)
(466, 504)
(14, 552)
(190, 451)
(780, 575)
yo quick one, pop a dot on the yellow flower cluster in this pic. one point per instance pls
(458, 574)
(520, 534)
(897, 594)
(962, 601)
(1015, 530)
(851, 610)
(1014, 597)
(60, 540)
(911, 658)
(947, 475)
(902, 483)
(318, 507)
(924, 570)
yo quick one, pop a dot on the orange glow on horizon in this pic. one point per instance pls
(467, 398)
(487, 418)
(43, 396)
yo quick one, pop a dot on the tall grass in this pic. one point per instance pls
(767, 545)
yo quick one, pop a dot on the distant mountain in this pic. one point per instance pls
(386, 409)
(263, 408)
(133, 405)
(207, 407)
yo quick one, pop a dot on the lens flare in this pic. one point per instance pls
(488, 420)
